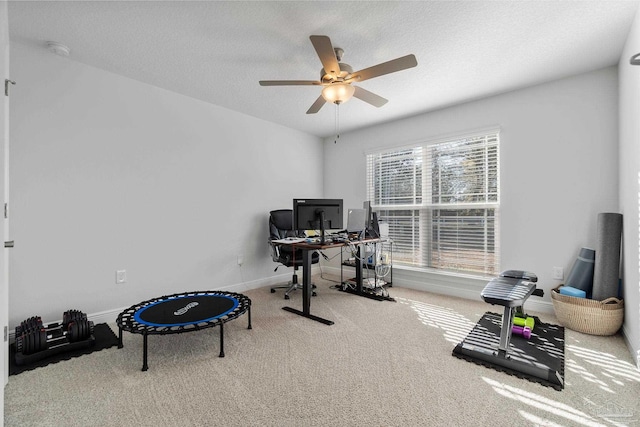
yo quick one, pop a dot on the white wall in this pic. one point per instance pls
(109, 173)
(559, 164)
(630, 185)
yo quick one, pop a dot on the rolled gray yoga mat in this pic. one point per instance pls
(581, 275)
(606, 273)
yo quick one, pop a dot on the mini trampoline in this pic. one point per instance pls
(183, 312)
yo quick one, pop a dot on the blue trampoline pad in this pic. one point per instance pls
(186, 310)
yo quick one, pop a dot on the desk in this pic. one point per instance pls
(307, 251)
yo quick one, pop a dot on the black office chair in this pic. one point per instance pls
(280, 227)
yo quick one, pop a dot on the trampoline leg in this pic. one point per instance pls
(221, 339)
(144, 353)
(120, 338)
(249, 327)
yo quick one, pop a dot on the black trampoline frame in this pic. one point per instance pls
(126, 320)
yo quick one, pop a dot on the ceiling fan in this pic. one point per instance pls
(337, 77)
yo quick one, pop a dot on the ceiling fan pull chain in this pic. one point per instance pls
(335, 141)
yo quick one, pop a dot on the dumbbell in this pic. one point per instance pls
(35, 322)
(521, 330)
(31, 341)
(72, 315)
(35, 340)
(32, 336)
(529, 322)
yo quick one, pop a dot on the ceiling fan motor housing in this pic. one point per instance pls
(328, 77)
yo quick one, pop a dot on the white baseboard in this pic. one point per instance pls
(468, 287)
(461, 288)
(635, 351)
(110, 316)
(455, 286)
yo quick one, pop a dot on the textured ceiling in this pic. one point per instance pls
(218, 51)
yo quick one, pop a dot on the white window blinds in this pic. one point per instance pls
(441, 201)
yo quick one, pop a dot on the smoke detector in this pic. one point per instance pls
(58, 48)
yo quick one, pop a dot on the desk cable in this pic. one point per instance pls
(321, 273)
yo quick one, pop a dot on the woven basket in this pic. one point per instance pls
(586, 315)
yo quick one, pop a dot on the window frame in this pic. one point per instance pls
(423, 207)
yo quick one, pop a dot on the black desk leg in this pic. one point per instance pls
(359, 270)
(307, 290)
(120, 337)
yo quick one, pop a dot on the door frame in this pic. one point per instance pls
(4, 192)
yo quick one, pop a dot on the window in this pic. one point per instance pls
(441, 201)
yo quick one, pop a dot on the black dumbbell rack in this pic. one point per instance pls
(35, 341)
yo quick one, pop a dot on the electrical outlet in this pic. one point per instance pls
(558, 273)
(121, 276)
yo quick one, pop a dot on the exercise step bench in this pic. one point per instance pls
(510, 290)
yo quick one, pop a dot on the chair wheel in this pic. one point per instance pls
(273, 291)
(286, 296)
(313, 294)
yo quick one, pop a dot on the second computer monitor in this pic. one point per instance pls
(318, 214)
(372, 229)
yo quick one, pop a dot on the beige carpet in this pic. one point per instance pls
(380, 364)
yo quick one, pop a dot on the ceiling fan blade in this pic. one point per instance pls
(370, 97)
(289, 82)
(392, 66)
(316, 105)
(324, 49)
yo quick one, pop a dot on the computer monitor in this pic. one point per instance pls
(318, 214)
(367, 207)
(372, 229)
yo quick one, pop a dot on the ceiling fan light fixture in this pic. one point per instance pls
(338, 92)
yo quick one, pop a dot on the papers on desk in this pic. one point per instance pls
(290, 240)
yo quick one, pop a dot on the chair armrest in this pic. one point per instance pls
(274, 250)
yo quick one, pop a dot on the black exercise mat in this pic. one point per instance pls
(539, 359)
(104, 338)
